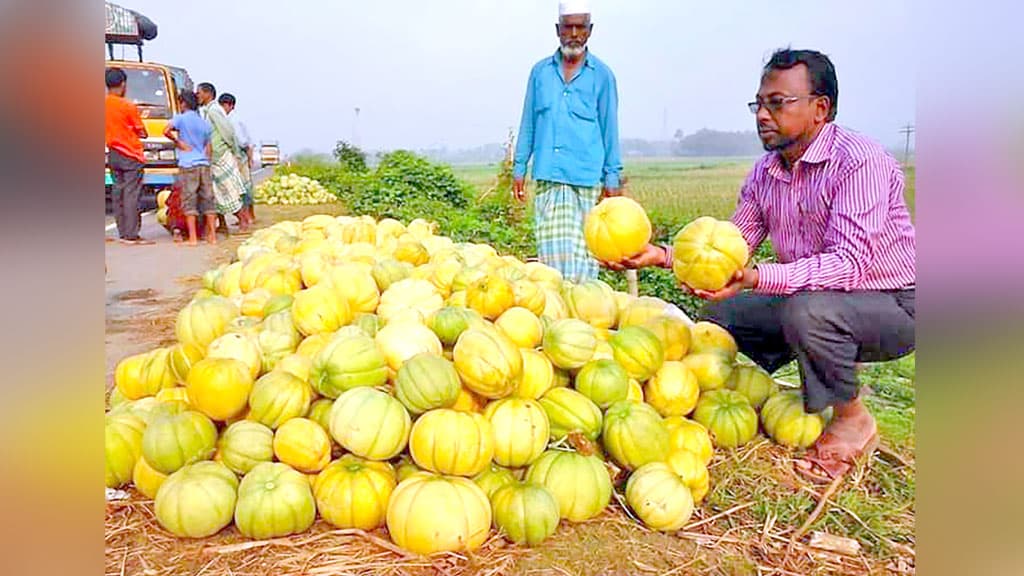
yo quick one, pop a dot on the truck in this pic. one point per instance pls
(153, 88)
(270, 154)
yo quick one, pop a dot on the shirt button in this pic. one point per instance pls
(556, 148)
(566, 93)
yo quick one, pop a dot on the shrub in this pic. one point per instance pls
(350, 157)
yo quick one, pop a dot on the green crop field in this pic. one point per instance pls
(678, 189)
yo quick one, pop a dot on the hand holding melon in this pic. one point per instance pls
(617, 229)
(709, 255)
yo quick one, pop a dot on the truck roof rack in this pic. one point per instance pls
(125, 26)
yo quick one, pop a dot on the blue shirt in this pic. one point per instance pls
(571, 130)
(195, 132)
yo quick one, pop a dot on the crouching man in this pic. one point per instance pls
(842, 289)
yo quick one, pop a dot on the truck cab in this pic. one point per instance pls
(270, 154)
(153, 88)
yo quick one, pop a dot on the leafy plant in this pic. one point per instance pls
(351, 157)
(404, 174)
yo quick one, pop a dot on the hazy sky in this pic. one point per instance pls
(453, 72)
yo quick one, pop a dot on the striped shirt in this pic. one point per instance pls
(837, 220)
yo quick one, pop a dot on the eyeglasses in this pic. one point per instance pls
(775, 103)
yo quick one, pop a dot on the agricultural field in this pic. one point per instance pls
(755, 520)
(675, 189)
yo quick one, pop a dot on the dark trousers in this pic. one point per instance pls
(127, 173)
(826, 332)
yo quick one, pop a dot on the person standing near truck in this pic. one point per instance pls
(228, 185)
(227, 102)
(191, 134)
(123, 134)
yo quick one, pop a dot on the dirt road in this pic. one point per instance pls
(147, 284)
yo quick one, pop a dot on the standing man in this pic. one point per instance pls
(228, 185)
(570, 128)
(124, 131)
(227, 102)
(191, 134)
(842, 291)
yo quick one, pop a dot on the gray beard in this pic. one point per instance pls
(572, 52)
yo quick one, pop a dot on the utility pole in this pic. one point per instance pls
(355, 128)
(908, 130)
(510, 146)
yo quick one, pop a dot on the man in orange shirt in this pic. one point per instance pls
(124, 129)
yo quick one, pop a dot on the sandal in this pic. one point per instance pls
(819, 468)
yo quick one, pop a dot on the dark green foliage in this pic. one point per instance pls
(404, 175)
(350, 157)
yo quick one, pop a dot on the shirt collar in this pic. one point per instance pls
(556, 58)
(820, 150)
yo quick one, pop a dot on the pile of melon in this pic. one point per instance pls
(706, 252)
(292, 189)
(161, 206)
(379, 375)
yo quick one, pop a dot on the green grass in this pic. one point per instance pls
(481, 176)
(884, 500)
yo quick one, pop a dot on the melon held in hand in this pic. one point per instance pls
(616, 229)
(708, 252)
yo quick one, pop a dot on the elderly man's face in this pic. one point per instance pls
(573, 33)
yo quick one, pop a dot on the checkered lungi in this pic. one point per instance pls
(558, 214)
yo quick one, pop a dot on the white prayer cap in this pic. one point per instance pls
(567, 7)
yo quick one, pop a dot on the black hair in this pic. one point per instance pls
(115, 77)
(207, 87)
(189, 99)
(819, 68)
(227, 98)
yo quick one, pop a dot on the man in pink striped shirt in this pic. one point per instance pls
(842, 289)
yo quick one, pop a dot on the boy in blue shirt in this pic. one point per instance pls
(191, 134)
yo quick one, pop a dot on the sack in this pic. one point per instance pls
(147, 28)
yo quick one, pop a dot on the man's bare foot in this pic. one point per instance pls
(851, 433)
(176, 234)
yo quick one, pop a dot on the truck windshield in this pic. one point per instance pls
(148, 89)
